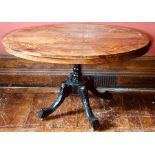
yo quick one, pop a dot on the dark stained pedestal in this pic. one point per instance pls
(77, 84)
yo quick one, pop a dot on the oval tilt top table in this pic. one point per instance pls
(77, 44)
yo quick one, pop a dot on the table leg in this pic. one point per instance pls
(82, 85)
(85, 100)
(64, 92)
(106, 95)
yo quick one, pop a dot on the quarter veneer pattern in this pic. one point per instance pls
(77, 43)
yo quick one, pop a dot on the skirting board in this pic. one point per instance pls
(138, 73)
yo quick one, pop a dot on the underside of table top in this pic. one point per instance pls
(77, 43)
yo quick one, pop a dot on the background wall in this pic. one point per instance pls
(147, 27)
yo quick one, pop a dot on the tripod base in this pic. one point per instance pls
(77, 84)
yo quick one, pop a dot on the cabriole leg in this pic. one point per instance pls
(64, 92)
(94, 123)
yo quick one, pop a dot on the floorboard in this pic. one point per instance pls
(129, 112)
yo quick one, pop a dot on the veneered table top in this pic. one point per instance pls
(77, 43)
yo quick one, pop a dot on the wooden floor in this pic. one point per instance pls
(129, 112)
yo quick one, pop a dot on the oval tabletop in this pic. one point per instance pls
(77, 43)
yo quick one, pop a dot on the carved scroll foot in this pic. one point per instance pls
(94, 123)
(64, 92)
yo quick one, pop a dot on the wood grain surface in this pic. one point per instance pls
(130, 112)
(77, 43)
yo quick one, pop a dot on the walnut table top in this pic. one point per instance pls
(77, 43)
